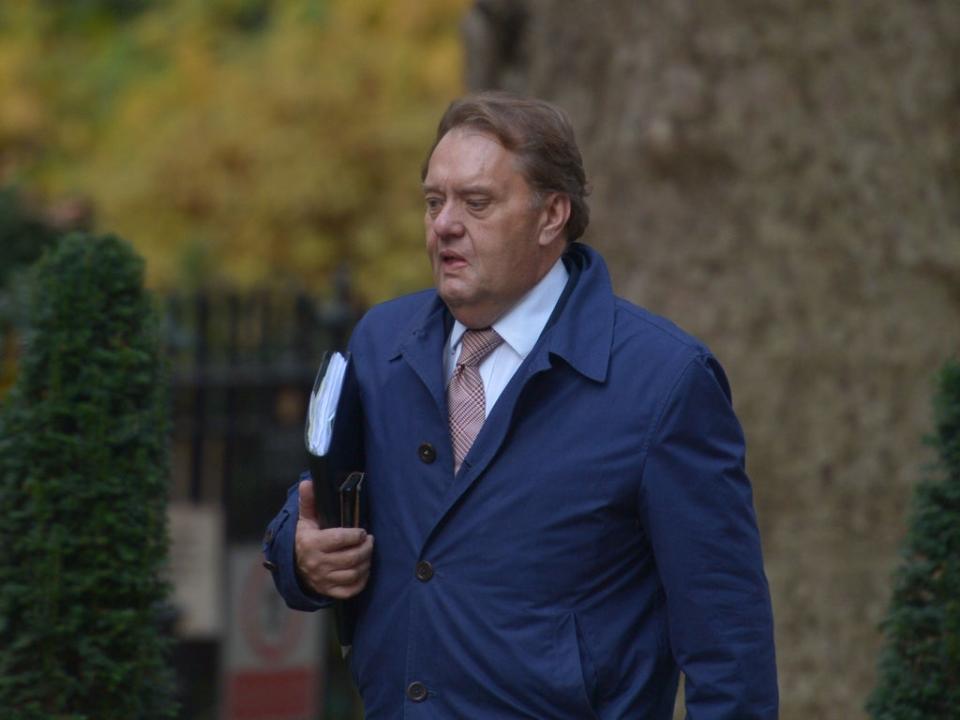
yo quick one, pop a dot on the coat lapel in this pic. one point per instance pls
(580, 333)
(422, 349)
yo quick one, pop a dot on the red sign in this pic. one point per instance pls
(272, 659)
(280, 694)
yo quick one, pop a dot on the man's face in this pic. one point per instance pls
(484, 226)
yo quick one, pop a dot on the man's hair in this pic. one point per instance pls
(538, 133)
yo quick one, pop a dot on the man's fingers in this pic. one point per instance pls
(338, 573)
(351, 557)
(326, 561)
(307, 508)
(349, 576)
(331, 540)
(345, 593)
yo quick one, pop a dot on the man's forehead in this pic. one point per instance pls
(462, 132)
(470, 157)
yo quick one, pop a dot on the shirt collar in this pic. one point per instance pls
(520, 327)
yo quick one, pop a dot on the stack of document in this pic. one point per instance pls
(323, 404)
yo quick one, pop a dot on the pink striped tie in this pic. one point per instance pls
(465, 399)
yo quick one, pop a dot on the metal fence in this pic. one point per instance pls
(241, 369)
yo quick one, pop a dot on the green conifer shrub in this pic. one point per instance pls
(919, 674)
(83, 482)
(23, 236)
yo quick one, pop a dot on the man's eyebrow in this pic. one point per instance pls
(465, 190)
(475, 190)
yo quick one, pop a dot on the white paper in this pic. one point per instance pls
(323, 406)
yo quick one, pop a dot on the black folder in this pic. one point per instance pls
(341, 465)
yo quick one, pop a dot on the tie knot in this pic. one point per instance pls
(477, 344)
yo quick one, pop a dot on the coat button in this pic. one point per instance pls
(269, 565)
(424, 571)
(417, 691)
(426, 453)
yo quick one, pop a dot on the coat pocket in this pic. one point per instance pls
(578, 671)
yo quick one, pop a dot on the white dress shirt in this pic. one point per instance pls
(520, 329)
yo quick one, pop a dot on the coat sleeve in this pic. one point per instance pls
(278, 542)
(697, 509)
(278, 553)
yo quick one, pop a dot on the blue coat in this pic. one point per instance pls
(599, 538)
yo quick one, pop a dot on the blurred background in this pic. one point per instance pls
(781, 178)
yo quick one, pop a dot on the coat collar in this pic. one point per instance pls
(580, 331)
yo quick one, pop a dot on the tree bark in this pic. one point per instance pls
(782, 179)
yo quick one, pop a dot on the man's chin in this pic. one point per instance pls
(470, 310)
(454, 292)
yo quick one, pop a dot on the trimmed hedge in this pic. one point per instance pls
(919, 676)
(23, 236)
(83, 482)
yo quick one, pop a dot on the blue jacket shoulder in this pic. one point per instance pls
(656, 332)
(394, 316)
(662, 342)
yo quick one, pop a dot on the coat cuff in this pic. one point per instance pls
(280, 560)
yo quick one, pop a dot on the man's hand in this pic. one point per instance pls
(334, 561)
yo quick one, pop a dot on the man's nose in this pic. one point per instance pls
(448, 222)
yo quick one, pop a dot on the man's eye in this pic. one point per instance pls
(434, 204)
(477, 204)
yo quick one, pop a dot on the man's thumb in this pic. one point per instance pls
(308, 508)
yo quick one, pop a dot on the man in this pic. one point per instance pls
(555, 477)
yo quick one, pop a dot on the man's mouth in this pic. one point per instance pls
(450, 260)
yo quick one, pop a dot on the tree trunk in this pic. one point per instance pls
(783, 180)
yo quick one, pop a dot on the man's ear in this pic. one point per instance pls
(556, 212)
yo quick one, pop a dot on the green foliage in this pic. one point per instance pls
(274, 140)
(83, 479)
(920, 667)
(69, 14)
(23, 237)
